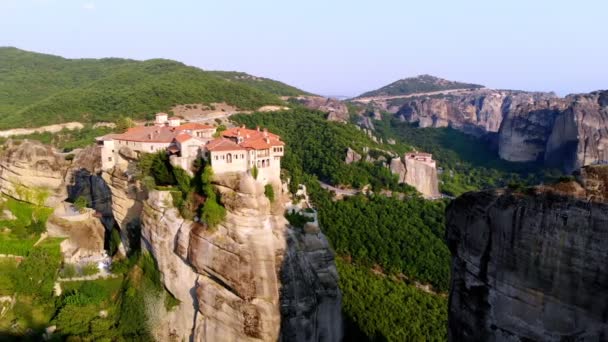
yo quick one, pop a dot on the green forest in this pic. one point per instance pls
(38, 89)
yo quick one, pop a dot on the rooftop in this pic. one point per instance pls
(159, 134)
(223, 144)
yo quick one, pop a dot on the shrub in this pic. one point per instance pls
(68, 271)
(254, 172)
(81, 203)
(36, 273)
(297, 220)
(212, 212)
(90, 269)
(171, 302)
(269, 192)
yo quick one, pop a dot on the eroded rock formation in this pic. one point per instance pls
(336, 110)
(421, 173)
(531, 266)
(252, 278)
(566, 132)
(29, 168)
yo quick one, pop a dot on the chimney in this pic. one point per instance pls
(265, 132)
(243, 126)
(258, 128)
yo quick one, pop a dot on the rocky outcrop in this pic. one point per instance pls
(476, 111)
(352, 156)
(525, 130)
(310, 298)
(566, 132)
(31, 171)
(251, 278)
(530, 266)
(336, 110)
(579, 136)
(419, 171)
(162, 228)
(127, 198)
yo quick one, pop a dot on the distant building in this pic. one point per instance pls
(421, 157)
(236, 150)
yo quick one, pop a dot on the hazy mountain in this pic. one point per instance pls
(418, 84)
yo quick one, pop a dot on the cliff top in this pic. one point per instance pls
(590, 183)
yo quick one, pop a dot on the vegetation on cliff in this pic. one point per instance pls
(192, 196)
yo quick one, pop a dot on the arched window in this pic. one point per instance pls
(263, 163)
(229, 158)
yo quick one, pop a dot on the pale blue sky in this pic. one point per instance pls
(334, 47)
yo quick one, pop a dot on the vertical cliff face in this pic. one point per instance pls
(530, 266)
(525, 130)
(476, 112)
(421, 175)
(29, 167)
(252, 278)
(563, 132)
(580, 133)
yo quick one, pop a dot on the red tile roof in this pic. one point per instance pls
(193, 126)
(246, 132)
(180, 138)
(157, 134)
(223, 144)
(253, 138)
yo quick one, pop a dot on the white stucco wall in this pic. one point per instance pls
(221, 161)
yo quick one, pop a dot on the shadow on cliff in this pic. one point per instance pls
(452, 147)
(309, 297)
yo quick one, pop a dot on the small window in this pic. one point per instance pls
(151, 148)
(109, 158)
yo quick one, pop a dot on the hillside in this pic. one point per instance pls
(418, 84)
(261, 83)
(38, 89)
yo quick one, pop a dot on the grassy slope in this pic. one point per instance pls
(419, 84)
(38, 89)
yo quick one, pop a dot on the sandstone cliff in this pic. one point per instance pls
(565, 132)
(28, 169)
(336, 110)
(420, 175)
(252, 278)
(531, 266)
